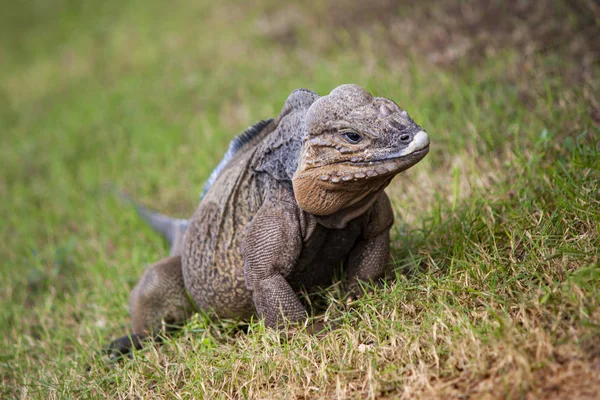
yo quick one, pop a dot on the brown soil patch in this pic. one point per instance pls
(448, 33)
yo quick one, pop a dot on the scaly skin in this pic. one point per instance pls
(301, 195)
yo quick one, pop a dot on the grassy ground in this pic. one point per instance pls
(496, 242)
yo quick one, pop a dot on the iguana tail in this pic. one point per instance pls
(172, 229)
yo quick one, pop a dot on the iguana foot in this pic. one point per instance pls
(124, 345)
(319, 328)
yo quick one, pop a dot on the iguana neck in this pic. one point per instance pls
(340, 219)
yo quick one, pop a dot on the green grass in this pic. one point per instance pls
(496, 277)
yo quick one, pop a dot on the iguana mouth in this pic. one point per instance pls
(390, 165)
(419, 146)
(358, 168)
(394, 157)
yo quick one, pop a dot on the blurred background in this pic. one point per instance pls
(146, 95)
(134, 92)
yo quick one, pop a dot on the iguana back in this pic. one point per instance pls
(259, 162)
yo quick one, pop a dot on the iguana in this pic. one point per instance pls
(293, 198)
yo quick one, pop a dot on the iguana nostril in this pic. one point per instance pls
(405, 138)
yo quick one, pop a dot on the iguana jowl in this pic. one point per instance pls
(293, 198)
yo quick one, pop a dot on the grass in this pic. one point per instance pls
(494, 290)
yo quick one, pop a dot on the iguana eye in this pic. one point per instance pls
(352, 137)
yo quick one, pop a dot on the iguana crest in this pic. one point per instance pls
(235, 145)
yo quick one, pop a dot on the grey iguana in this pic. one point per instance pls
(293, 198)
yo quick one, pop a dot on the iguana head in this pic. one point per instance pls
(355, 144)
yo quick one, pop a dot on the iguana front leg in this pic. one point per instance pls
(367, 261)
(371, 253)
(271, 249)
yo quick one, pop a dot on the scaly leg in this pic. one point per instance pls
(158, 298)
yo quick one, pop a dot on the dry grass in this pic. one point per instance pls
(494, 288)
